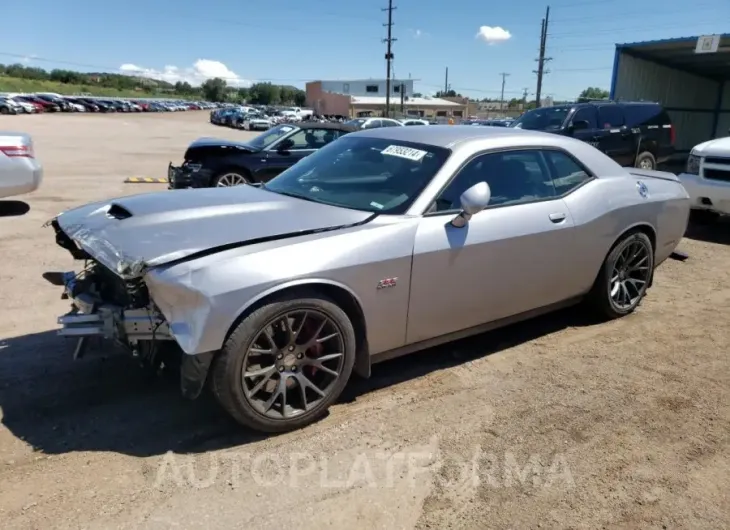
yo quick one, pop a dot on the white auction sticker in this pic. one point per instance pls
(287, 129)
(404, 152)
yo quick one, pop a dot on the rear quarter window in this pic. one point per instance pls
(644, 115)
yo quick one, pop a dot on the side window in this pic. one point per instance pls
(567, 173)
(299, 139)
(514, 177)
(588, 114)
(389, 123)
(610, 116)
(312, 138)
(643, 115)
(373, 124)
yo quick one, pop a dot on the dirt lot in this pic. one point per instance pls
(556, 423)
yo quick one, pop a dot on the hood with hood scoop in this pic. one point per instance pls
(130, 234)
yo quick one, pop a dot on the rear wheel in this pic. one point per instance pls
(624, 276)
(4, 110)
(645, 160)
(285, 364)
(230, 178)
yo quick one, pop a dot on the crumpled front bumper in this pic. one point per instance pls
(181, 177)
(93, 317)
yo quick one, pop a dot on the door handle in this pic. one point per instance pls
(557, 217)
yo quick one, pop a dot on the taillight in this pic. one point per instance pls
(672, 134)
(17, 151)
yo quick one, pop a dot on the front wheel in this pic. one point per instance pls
(230, 178)
(285, 364)
(624, 276)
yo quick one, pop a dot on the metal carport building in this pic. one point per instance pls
(689, 76)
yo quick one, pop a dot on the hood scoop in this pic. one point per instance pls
(119, 212)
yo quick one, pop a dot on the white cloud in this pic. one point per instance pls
(199, 72)
(28, 58)
(493, 35)
(418, 33)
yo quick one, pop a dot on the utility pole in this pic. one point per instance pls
(542, 59)
(501, 99)
(403, 98)
(446, 80)
(388, 54)
(525, 92)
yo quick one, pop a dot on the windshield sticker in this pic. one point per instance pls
(287, 129)
(376, 205)
(404, 152)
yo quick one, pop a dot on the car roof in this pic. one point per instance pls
(316, 125)
(450, 135)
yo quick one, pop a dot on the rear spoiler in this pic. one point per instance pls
(653, 174)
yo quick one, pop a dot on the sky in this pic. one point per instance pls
(295, 41)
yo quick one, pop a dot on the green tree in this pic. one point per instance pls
(300, 98)
(243, 94)
(214, 89)
(447, 94)
(594, 93)
(264, 94)
(184, 88)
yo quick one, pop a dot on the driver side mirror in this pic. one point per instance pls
(473, 201)
(285, 145)
(580, 125)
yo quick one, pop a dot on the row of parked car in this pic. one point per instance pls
(14, 103)
(257, 117)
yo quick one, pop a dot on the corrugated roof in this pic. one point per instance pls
(410, 102)
(679, 53)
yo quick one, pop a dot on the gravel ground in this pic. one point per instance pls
(555, 423)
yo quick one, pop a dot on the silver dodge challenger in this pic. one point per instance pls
(383, 243)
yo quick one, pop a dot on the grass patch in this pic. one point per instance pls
(15, 84)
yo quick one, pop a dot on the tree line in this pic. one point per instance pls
(212, 90)
(258, 93)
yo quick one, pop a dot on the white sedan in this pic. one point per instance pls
(707, 179)
(414, 121)
(20, 171)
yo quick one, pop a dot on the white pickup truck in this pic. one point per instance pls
(707, 179)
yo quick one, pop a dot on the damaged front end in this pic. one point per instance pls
(117, 307)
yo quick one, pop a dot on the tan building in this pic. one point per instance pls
(324, 101)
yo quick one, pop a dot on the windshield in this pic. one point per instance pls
(543, 119)
(262, 141)
(370, 174)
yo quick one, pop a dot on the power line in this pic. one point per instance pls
(388, 54)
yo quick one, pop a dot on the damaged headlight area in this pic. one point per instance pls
(107, 305)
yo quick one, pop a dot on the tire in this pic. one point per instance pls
(4, 110)
(232, 175)
(645, 160)
(227, 379)
(601, 297)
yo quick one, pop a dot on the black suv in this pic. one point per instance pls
(638, 134)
